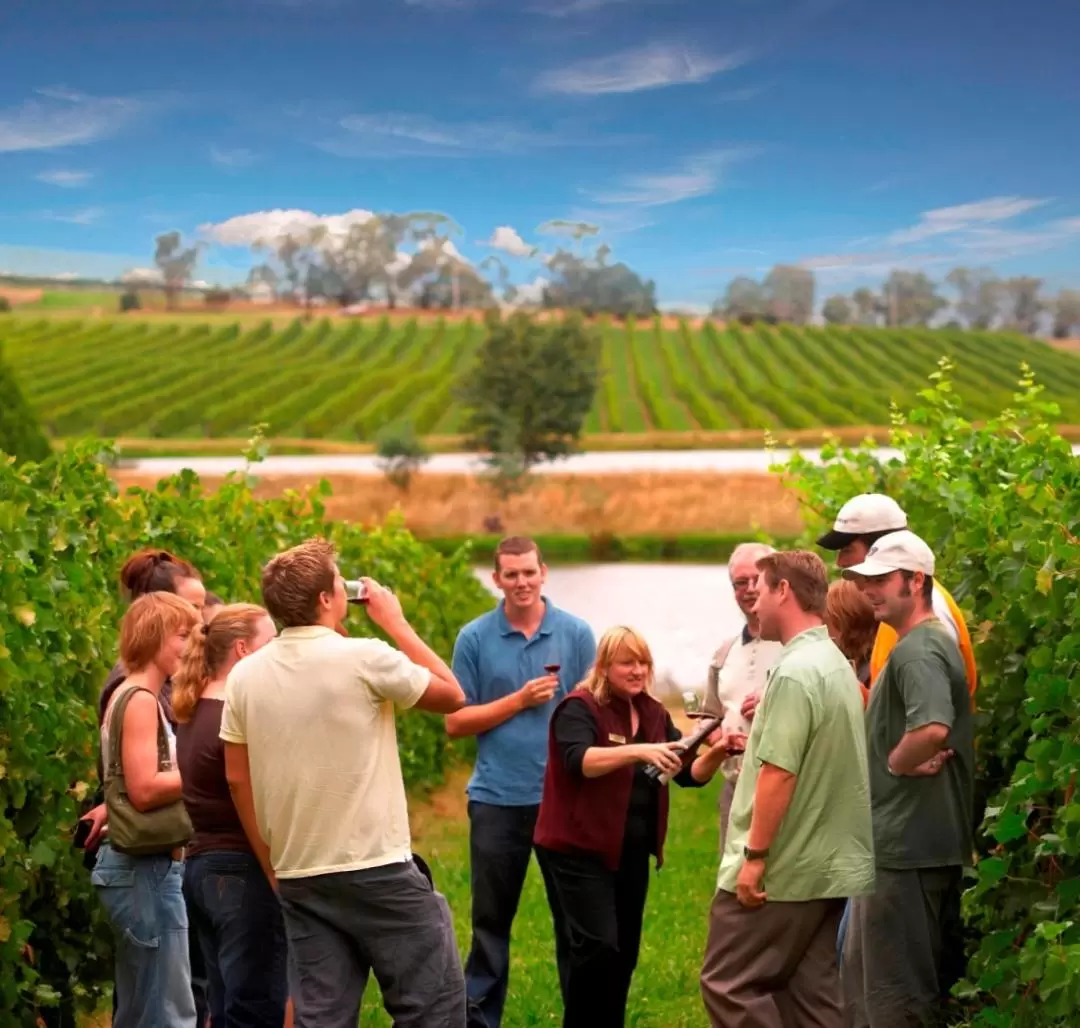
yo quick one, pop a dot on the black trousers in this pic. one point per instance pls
(598, 915)
(500, 844)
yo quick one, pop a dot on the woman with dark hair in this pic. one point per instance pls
(227, 875)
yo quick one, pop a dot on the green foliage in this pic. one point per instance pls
(20, 433)
(66, 533)
(1000, 506)
(528, 392)
(5, 305)
(130, 301)
(400, 455)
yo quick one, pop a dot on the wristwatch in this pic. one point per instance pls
(750, 854)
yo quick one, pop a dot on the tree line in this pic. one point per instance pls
(980, 300)
(410, 259)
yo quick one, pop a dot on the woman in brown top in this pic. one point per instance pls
(232, 902)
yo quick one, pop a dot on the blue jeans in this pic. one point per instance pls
(242, 934)
(144, 900)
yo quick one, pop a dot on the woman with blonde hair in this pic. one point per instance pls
(601, 818)
(227, 875)
(138, 871)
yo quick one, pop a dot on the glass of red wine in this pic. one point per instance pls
(552, 668)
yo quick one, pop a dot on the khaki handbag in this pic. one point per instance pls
(136, 832)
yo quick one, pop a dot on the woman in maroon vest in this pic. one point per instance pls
(601, 817)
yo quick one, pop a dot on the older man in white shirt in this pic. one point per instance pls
(737, 672)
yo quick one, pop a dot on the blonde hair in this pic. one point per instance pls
(607, 650)
(207, 650)
(148, 622)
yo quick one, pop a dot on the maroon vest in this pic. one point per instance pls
(589, 814)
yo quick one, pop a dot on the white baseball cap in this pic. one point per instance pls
(897, 551)
(864, 515)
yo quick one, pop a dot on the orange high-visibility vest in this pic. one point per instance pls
(945, 607)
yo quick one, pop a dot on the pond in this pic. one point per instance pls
(684, 610)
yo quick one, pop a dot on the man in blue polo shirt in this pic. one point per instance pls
(501, 660)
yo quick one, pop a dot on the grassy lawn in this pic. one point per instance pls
(665, 991)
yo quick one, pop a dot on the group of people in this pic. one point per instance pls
(253, 852)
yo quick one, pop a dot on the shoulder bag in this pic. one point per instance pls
(132, 831)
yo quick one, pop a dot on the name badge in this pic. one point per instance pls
(612, 737)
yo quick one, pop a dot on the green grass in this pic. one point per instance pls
(665, 990)
(66, 299)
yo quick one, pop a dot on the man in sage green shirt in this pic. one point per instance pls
(799, 840)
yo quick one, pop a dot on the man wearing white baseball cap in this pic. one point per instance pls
(860, 523)
(921, 752)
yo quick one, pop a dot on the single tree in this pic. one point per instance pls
(979, 295)
(837, 310)
(176, 264)
(789, 293)
(867, 306)
(400, 454)
(743, 298)
(527, 394)
(911, 298)
(1023, 304)
(1066, 313)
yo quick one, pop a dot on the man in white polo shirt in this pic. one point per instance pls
(312, 761)
(738, 670)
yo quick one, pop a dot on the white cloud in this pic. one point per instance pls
(531, 293)
(509, 241)
(648, 67)
(83, 216)
(65, 179)
(233, 159)
(395, 134)
(695, 176)
(61, 117)
(271, 226)
(690, 307)
(946, 220)
(569, 8)
(142, 277)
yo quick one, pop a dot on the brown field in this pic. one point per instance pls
(16, 295)
(638, 503)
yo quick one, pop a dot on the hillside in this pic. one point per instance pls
(334, 380)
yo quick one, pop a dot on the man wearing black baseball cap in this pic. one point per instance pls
(921, 753)
(860, 523)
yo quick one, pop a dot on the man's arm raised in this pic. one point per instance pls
(443, 694)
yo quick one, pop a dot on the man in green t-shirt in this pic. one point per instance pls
(920, 741)
(799, 840)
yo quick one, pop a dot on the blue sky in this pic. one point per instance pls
(707, 138)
